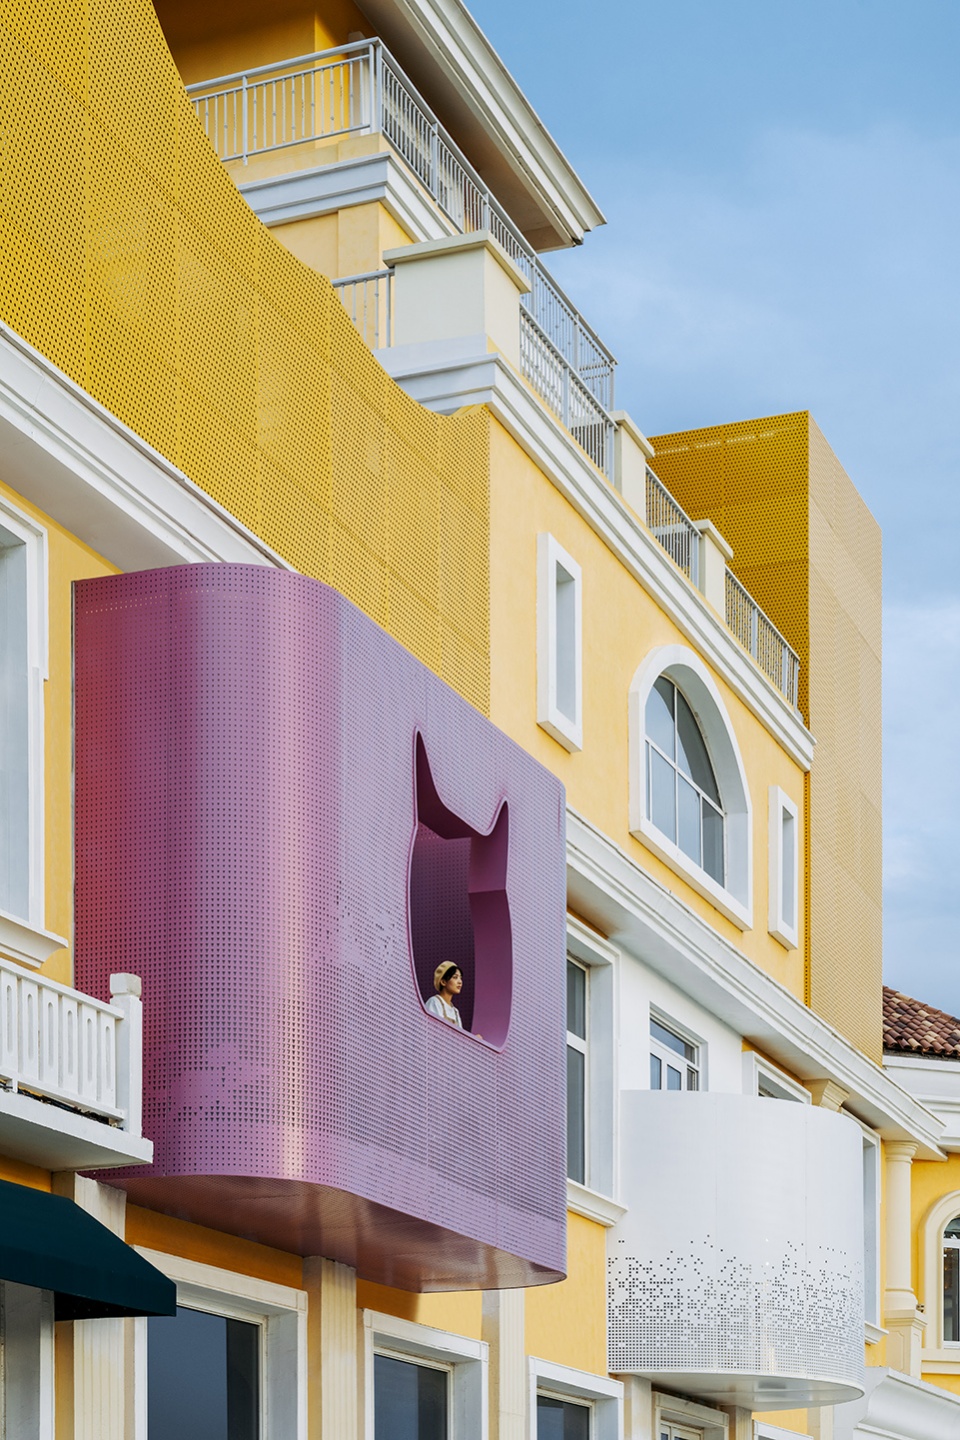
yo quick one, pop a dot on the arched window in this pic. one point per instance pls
(689, 799)
(951, 1282)
(683, 800)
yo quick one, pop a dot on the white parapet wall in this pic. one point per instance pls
(737, 1272)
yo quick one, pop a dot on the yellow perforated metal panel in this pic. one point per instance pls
(808, 550)
(129, 259)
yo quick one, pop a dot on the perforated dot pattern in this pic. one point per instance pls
(245, 820)
(130, 260)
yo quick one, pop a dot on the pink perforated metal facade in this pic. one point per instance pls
(282, 820)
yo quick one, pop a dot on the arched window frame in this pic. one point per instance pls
(935, 1222)
(686, 670)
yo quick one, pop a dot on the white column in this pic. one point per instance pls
(504, 1321)
(637, 1408)
(631, 453)
(464, 286)
(332, 1341)
(26, 1362)
(901, 1316)
(100, 1347)
(715, 555)
(125, 993)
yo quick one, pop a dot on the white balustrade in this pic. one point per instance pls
(58, 1044)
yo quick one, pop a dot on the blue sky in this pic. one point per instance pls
(781, 180)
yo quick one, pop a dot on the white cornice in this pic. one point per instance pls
(447, 55)
(935, 1084)
(898, 1407)
(593, 1206)
(68, 455)
(325, 189)
(613, 893)
(449, 374)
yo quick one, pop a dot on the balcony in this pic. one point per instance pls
(737, 1274)
(70, 1073)
(291, 823)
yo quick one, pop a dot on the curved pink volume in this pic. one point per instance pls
(282, 820)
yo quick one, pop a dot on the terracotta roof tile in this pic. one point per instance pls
(912, 1028)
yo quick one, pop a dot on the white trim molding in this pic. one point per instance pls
(761, 1077)
(594, 1206)
(638, 914)
(937, 1354)
(467, 1359)
(713, 1424)
(602, 962)
(559, 644)
(446, 375)
(280, 1310)
(935, 1083)
(783, 816)
(685, 668)
(562, 1382)
(898, 1407)
(69, 456)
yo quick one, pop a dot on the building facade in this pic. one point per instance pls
(354, 638)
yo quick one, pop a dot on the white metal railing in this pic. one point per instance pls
(61, 1045)
(368, 300)
(360, 87)
(758, 634)
(673, 528)
(561, 388)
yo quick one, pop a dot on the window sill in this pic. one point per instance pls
(739, 914)
(26, 944)
(873, 1334)
(592, 1205)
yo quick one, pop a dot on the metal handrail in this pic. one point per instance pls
(559, 386)
(672, 528)
(368, 300)
(758, 634)
(361, 87)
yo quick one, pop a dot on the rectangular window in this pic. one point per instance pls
(14, 728)
(784, 880)
(562, 1419)
(674, 1060)
(871, 1227)
(559, 644)
(577, 1001)
(203, 1377)
(411, 1401)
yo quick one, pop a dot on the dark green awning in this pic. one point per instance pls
(51, 1243)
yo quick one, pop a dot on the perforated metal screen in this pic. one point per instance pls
(247, 794)
(129, 259)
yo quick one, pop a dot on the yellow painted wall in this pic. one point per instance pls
(19, 1173)
(212, 39)
(621, 623)
(808, 550)
(129, 259)
(458, 1312)
(211, 1247)
(567, 1323)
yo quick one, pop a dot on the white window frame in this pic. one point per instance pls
(672, 1410)
(684, 1033)
(682, 666)
(24, 938)
(781, 808)
(763, 1430)
(279, 1310)
(872, 1233)
(561, 1382)
(938, 1354)
(555, 568)
(597, 1197)
(761, 1075)
(466, 1360)
(582, 1045)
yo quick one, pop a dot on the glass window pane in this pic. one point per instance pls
(953, 1229)
(712, 842)
(409, 1401)
(576, 1000)
(674, 1079)
(203, 1378)
(576, 1115)
(688, 819)
(951, 1293)
(656, 1072)
(660, 724)
(663, 794)
(692, 754)
(562, 1419)
(667, 1037)
(788, 863)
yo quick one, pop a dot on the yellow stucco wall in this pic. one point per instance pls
(129, 259)
(459, 1312)
(567, 1323)
(211, 1247)
(621, 624)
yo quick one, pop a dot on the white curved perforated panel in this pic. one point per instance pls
(737, 1272)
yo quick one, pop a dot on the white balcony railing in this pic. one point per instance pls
(368, 300)
(360, 88)
(672, 528)
(758, 634)
(58, 1044)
